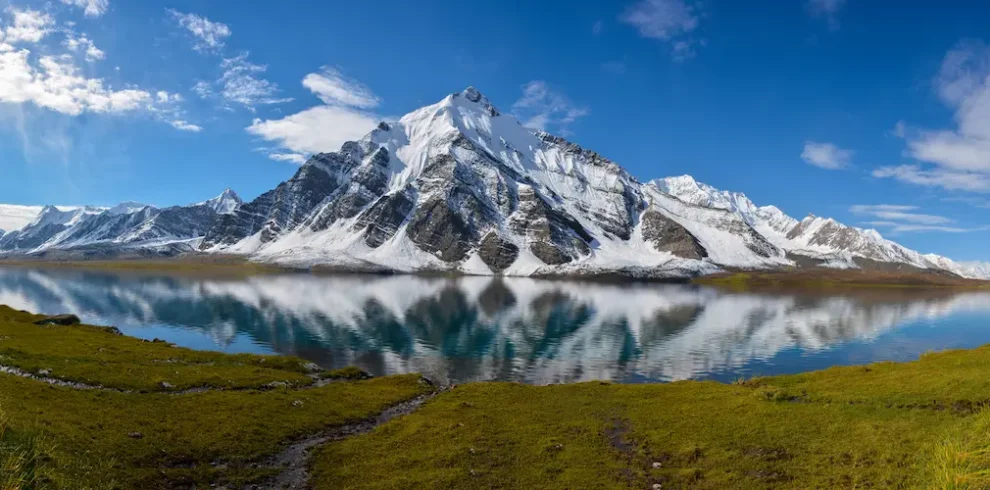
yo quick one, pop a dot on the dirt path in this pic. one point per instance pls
(295, 458)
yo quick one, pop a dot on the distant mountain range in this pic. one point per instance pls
(459, 186)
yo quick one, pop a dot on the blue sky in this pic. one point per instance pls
(874, 115)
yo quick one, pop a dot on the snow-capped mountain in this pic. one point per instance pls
(126, 227)
(459, 186)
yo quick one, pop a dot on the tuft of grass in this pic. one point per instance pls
(23, 459)
(962, 462)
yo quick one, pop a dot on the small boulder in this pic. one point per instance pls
(297, 403)
(45, 373)
(166, 385)
(657, 465)
(135, 435)
(65, 320)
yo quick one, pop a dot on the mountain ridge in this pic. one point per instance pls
(459, 186)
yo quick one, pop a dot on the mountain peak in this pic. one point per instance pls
(127, 207)
(473, 94)
(227, 202)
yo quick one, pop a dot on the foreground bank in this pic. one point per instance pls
(84, 407)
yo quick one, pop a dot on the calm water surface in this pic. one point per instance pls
(533, 331)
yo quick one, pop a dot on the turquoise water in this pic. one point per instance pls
(532, 331)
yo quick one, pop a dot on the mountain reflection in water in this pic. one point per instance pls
(534, 331)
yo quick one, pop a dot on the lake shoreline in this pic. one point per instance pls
(756, 280)
(881, 425)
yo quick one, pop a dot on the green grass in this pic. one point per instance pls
(148, 440)
(921, 424)
(887, 425)
(22, 459)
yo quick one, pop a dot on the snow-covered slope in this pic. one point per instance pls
(459, 186)
(125, 227)
(14, 217)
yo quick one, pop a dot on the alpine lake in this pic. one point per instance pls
(458, 330)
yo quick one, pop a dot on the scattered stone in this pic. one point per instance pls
(276, 384)
(312, 367)
(157, 340)
(135, 435)
(45, 373)
(114, 330)
(64, 320)
(657, 486)
(166, 385)
(297, 403)
(657, 464)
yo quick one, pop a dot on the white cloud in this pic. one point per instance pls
(899, 213)
(83, 44)
(669, 21)
(239, 84)
(540, 108)
(57, 85)
(826, 155)
(897, 218)
(937, 177)
(661, 19)
(185, 126)
(209, 35)
(909, 228)
(344, 117)
(315, 130)
(335, 89)
(91, 8)
(295, 158)
(203, 89)
(29, 26)
(959, 158)
(828, 9)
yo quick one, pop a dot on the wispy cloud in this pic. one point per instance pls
(597, 27)
(959, 158)
(826, 155)
(543, 108)
(827, 9)
(346, 115)
(295, 158)
(91, 8)
(896, 218)
(240, 84)
(333, 88)
(84, 45)
(670, 21)
(208, 36)
(893, 212)
(185, 126)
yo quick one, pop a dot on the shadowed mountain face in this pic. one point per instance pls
(528, 330)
